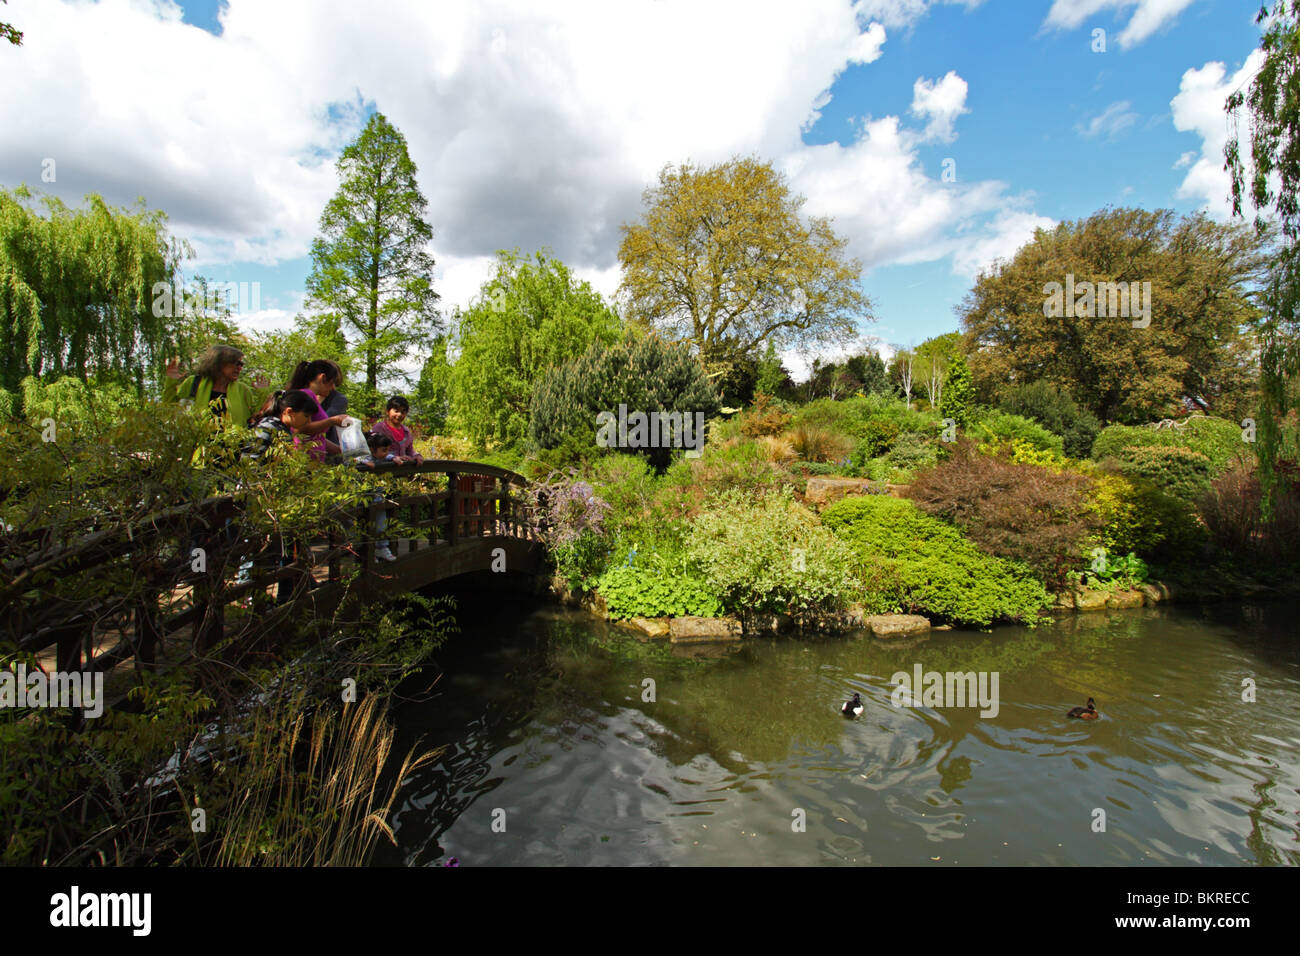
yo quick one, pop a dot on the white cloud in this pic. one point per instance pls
(1149, 17)
(903, 13)
(1198, 108)
(532, 126)
(1113, 120)
(940, 102)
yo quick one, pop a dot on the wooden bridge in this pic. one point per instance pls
(146, 592)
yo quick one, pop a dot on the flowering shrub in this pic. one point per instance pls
(569, 519)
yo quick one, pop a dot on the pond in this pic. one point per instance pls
(556, 750)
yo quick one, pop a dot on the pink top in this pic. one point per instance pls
(316, 443)
(403, 439)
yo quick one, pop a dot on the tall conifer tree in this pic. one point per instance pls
(371, 271)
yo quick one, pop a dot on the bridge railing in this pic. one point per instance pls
(140, 584)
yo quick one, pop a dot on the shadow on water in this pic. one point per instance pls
(570, 742)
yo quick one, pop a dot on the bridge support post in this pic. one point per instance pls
(453, 507)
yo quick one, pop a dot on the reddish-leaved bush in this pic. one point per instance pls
(1024, 512)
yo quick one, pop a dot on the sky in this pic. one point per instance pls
(937, 134)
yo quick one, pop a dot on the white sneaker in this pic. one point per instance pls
(383, 554)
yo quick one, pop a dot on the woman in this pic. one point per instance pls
(214, 387)
(318, 379)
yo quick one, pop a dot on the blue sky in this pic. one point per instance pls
(540, 124)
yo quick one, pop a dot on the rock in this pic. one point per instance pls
(700, 630)
(1153, 594)
(597, 605)
(897, 625)
(770, 623)
(1086, 600)
(1064, 601)
(897, 491)
(652, 627)
(942, 627)
(855, 616)
(1124, 599)
(823, 491)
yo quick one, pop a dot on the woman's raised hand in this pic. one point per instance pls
(174, 368)
(261, 382)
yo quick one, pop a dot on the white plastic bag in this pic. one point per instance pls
(352, 439)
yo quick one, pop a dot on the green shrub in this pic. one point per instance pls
(876, 437)
(689, 484)
(655, 584)
(928, 567)
(1130, 514)
(1218, 439)
(1181, 472)
(998, 428)
(647, 375)
(1056, 411)
(912, 451)
(770, 555)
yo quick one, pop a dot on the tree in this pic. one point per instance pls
(431, 402)
(773, 379)
(901, 371)
(1273, 103)
(1137, 315)
(933, 356)
(276, 354)
(531, 316)
(722, 260)
(76, 289)
(371, 273)
(958, 392)
(869, 369)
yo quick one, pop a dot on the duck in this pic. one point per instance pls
(1085, 713)
(852, 708)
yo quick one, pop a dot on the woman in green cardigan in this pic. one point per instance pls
(215, 386)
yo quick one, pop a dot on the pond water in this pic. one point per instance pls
(553, 756)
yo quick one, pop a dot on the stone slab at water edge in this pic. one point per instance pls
(897, 625)
(693, 630)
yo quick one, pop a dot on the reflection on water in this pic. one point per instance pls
(541, 714)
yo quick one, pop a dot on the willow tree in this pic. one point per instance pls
(1273, 104)
(530, 317)
(723, 260)
(76, 288)
(371, 269)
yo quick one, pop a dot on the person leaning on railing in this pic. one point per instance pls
(214, 386)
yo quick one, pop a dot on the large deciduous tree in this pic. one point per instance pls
(371, 269)
(723, 260)
(1169, 331)
(76, 289)
(531, 316)
(1273, 106)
